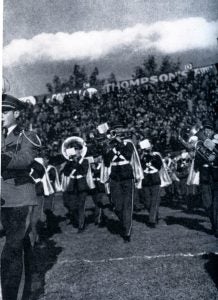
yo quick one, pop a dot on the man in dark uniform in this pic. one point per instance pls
(117, 157)
(214, 173)
(151, 164)
(204, 166)
(99, 193)
(18, 196)
(77, 170)
(183, 162)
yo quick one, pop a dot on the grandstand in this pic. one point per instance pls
(158, 111)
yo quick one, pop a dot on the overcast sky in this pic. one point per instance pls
(46, 37)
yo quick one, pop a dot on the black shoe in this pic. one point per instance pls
(102, 223)
(151, 225)
(126, 238)
(81, 229)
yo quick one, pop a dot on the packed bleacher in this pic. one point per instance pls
(158, 111)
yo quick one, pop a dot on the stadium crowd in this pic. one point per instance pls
(159, 111)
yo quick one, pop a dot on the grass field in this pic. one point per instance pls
(175, 260)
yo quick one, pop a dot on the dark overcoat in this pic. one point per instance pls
(19, 149)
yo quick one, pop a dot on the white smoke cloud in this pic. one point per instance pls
(167, 37)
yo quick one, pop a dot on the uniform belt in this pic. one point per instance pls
(96, 179)
(151, 172)
(20, 180)
(120, 163)
(206, 166)
(9, 174)
(76, 177)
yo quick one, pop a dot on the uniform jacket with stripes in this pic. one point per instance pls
(119, 159)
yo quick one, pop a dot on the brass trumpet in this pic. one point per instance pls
(121, 133)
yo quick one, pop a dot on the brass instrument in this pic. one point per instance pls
(206, 149)
(188, 136)
(114, 137)
(110, 137)
(194, 130)
(68, 150)
(121, 133)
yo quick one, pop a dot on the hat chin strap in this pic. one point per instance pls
(8, 106)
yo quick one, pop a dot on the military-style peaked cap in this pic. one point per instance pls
(11, 103)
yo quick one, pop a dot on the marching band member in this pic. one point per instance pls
(183, 162)
(47, 184)
(18, 198)
(122, 169)
(214, 173)
(37, 172)
(99, 193)
(170, 166)
(193, 184)
(76, 179)
(53, 177)
(151, 164)
(49, 203)
(203, 165)
(193, 175)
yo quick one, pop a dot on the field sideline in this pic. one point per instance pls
(176, 260)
